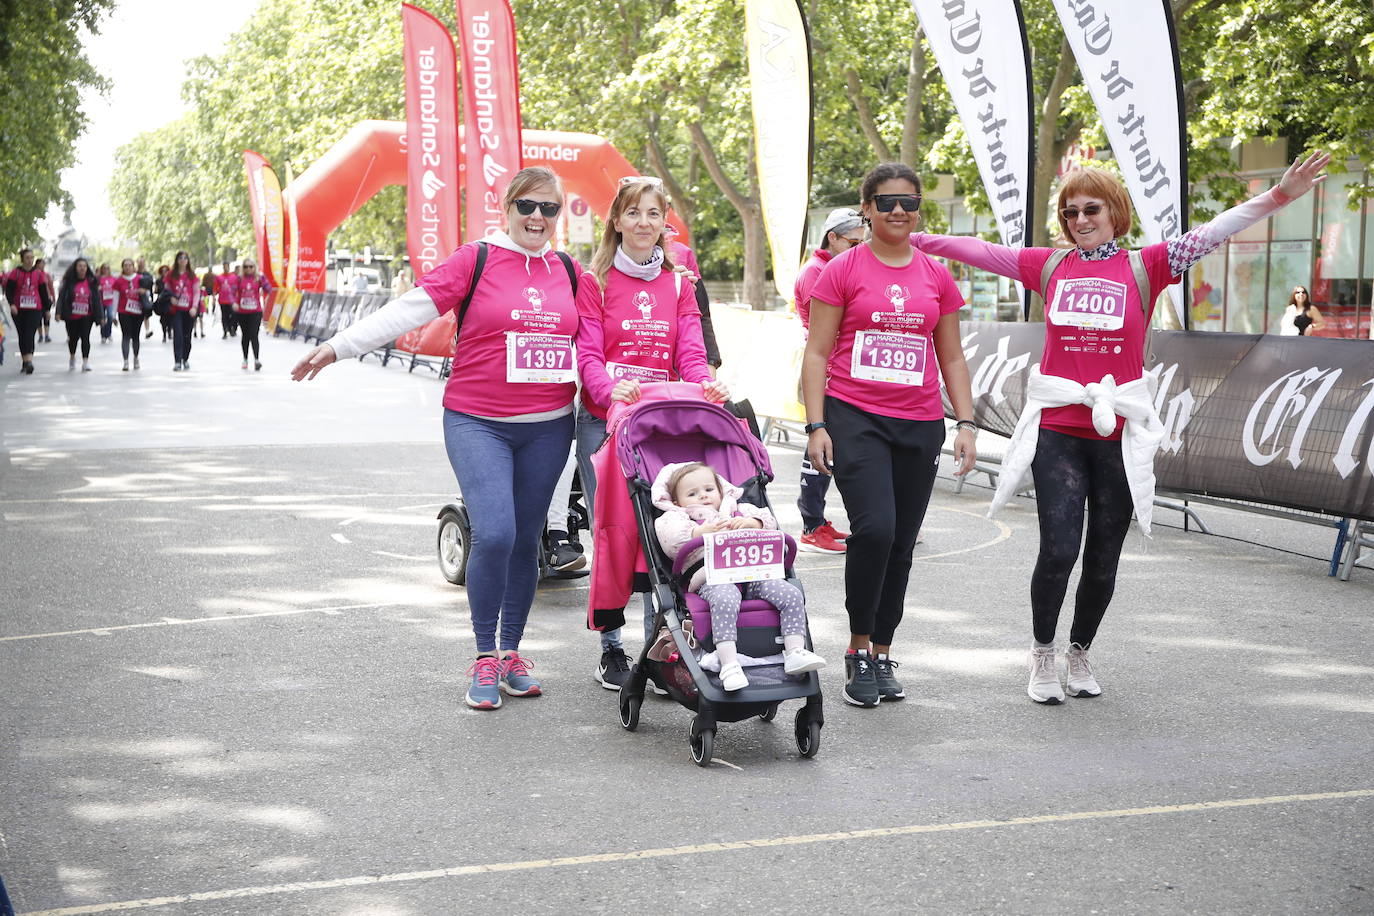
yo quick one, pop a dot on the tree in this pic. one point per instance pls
(43, 70)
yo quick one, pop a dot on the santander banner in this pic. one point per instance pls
(264, 198)
(432, 222)
(780, 87)
(1129, 60)
(491, 109)
(980, 46)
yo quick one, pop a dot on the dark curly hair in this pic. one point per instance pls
(885, 171)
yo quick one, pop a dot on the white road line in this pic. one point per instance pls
(727, 763)
(401, 556)
(461, 871)
(175, 622)
(1004, 532)
(340, 538)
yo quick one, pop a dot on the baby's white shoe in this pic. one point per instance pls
(732, 677)
(800, 661)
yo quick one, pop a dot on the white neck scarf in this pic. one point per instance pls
(649, 270)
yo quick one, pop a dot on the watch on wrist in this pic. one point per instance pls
(812, 427)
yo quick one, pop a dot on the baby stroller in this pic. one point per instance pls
(671, 424)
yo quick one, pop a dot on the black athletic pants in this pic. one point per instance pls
(79, 331)
(885, 470)
(130, 327)
(249, 323)
(1070, 473)
(26, 324)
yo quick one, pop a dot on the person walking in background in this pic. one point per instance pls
(1300, 317)
(78, 303)
(226, 294)
(41, 266)
(207, 295)
(149, 283)
(105, 277)
(251, 291)
(183, 286)
(26, 290)
(1085, 461)
(131, 302)
(843, 229)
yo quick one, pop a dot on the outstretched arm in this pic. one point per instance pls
(1194, 245)
(968, 250)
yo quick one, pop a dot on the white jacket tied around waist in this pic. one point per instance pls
(1140, 438)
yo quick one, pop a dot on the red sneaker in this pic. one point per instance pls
(835, 533)
(821, 540)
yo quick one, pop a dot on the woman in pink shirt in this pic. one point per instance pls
(184, 286)
(884, 331)
(508, 407)
(1095, 327)
(250, 293)
(78, 303)
(131, 303)
(639, 322)
(105, 277)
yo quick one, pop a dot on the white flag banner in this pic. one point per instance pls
(1129, 60)
(981, 48)
(779, 50)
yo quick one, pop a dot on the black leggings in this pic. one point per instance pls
(249, 322)
(79, 331)
(885, 470)
(26, 323)
(129, 327)
(1070, 472)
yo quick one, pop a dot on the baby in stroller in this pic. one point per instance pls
(695, 501)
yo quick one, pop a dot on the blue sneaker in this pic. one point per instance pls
(515, 677)
(484, 692)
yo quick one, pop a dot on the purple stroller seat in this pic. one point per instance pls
(753, 612)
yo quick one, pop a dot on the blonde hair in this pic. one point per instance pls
(630, 192)
(1088, 181)
(526, 180)
(675, 478)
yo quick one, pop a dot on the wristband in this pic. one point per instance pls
(812, 427)
(967, 424)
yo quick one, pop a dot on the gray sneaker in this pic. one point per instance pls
(1044, 684)
(860, 680)
(889, 688)
(1080, 682)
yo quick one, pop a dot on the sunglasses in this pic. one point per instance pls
(852, 242)
(1071, 213)
(648, 178)
(549, 208)
(886, 203)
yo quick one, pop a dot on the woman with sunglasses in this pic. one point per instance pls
(638, 322)
(508, 408)
(884, 332)
(250, 294)
(1095, 330)
(1301, 316)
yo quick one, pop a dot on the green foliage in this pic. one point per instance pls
(43, 70)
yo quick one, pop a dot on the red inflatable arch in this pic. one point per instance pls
(372, 155)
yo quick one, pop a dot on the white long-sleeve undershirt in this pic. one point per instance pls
(389, 322)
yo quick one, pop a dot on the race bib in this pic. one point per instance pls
(539, 358)
(744, 555)
(1089, 302)
(619, 371)
(80, 309)
(28, 302)
(889, 356)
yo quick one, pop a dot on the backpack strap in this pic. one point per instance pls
(1056, 258)
(472, 288)
(1142, 279)
(568, 266)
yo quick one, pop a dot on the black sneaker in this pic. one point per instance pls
(860, 681)
(614, 668)
(564, 555)
(889, 688)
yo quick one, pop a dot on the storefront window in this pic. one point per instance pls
(1336, 287)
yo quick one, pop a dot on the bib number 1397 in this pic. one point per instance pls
(539, 358)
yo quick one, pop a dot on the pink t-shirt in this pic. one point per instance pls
(249, 292)
(884, 358)
(519, 328)
(1094, 324)
(81, 299)
(26, 284)
(185, 289)
(806, 282)
(227, 288)
(127, 292)
(647, 330)
(107, 293)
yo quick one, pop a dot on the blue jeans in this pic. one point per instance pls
(506, 473)
(183, 323)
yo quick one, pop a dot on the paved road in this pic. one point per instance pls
(233, 684)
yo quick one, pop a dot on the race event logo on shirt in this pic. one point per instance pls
(646, 324)
(898, 297)
(535, 316)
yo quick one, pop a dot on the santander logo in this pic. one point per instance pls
(491, 169)
(430, 184)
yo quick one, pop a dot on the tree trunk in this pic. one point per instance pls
(853, 87)
(915, 91)
(1049, 148)
(750, 211)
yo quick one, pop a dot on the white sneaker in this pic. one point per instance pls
(135, 363)
(1044, 684)
(732, 677)
(800, 661)
(71, 364)
(126, 365)
(1081, 682)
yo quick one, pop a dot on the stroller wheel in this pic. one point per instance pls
(629, 710)
(454, 537)
(702, 745)
(769, 714)
(808, 734)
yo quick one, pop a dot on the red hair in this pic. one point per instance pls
(1096, 183)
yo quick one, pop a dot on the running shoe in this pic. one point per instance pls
(613, 671)
(485, 692)
(1080, 682)
(257, 366)
(1044, 686)
(515, 677)
(562, 554)
(71, 364)
(820, 540)
(889, 688)
(136, 364)
(835, 533)
(800, 661)
(860, 681)
(177, 367)
(126, 365)
(245, 364)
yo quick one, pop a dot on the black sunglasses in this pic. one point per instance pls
(886, 203)
(524, 206)
(1071, 213)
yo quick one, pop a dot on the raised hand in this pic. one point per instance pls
(1304, 174)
